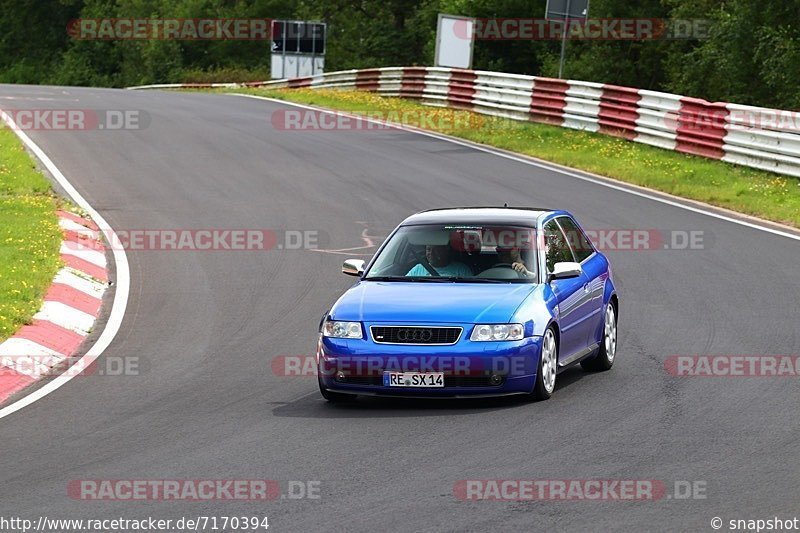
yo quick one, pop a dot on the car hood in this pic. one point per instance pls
(428, 302)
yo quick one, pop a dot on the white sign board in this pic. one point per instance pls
(296, 66)
(454, 41)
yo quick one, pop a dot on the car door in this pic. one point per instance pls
(571, 293)
(595, 269)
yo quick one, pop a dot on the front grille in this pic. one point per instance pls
(449, 381)
(415, 335)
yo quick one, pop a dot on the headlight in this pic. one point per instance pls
(342, 330)
(497, 332)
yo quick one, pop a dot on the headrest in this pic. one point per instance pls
(466, 240)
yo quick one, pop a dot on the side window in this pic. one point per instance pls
(577, 240)
(556, 247)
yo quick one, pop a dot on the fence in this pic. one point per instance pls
(767, 139)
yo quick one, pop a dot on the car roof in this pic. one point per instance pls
(478, 215)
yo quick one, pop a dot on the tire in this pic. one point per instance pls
(604, 359)
(335, 397)
(548, 367)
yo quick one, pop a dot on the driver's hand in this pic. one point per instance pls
(519, 267)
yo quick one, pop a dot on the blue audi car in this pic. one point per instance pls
(467, 302)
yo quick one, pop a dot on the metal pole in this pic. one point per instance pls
(297, 59)
(564, 42)
(283, 53)
(313, 48)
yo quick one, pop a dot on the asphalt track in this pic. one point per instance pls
(206, 326)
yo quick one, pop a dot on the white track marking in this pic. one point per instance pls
(553, 167)
(122, 275)
(369, 243)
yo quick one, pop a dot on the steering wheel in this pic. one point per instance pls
(509, 265)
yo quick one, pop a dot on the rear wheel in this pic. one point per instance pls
(335, 397)
(548, 365)
(604, 359)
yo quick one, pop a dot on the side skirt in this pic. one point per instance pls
(578, 355)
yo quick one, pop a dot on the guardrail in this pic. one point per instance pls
(762, 138)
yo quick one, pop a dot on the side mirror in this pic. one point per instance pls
(353, 267)
(565, 270)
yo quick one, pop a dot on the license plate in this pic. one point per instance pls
(413, 379)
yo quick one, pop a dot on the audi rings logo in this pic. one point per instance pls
(414, 335)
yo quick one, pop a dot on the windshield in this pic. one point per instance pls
(456, 252)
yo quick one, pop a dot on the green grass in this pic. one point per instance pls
(753, 192)
(29, 235)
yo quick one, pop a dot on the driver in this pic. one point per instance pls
(439, 257)
(511, 257)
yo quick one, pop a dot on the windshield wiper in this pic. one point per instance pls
(435, 279)
(442, 279)
(424, 279)
(481, 280)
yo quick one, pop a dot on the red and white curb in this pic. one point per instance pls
(122, 273)
(70, 308)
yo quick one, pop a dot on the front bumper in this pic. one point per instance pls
(357, 367)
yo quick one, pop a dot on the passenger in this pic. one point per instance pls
(439, 257)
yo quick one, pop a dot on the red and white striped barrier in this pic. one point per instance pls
(756, 137)
(70, 308)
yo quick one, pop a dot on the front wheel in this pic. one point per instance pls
(548, 365)
(604, 359)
